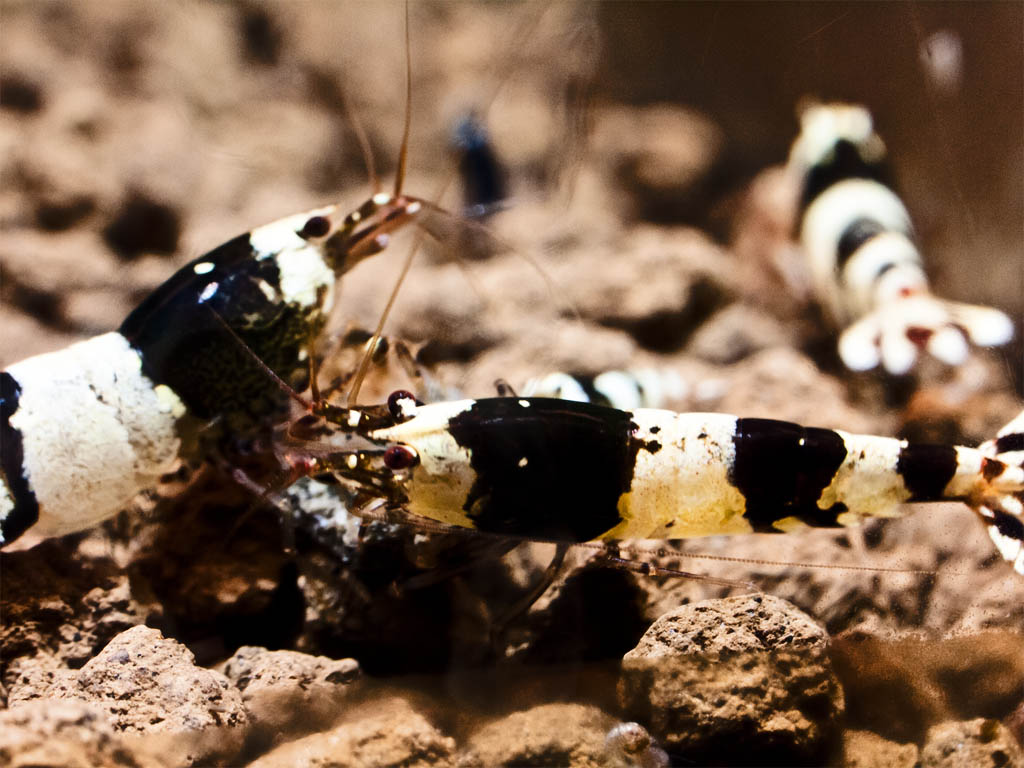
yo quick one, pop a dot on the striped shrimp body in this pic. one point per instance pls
(865, 266)
(87, 428)
(570, 471)
(635, 388)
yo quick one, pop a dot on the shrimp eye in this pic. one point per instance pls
(315, 226)
(399, 403)
(400, 457)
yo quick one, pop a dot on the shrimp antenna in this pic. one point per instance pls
(559, 298)
(666, 553)
(404, 153)
(362, 138)
(524, 32)
(364, 364)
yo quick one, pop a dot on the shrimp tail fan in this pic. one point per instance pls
(1001, 507)
(896, 331)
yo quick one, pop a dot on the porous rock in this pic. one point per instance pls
(744, 679)
(149, 685)
(34, 677)
(665, 285)
(389, 732)
(782, 383)
(48, 733)
(662, 157)
(864, 749)
(290, 692)
(736, 332)
(63, 605)
(549, 734)
(971, 744)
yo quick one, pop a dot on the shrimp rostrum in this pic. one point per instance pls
(568, 471)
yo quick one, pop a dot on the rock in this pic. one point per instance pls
(549, 734)
(864, 749)
(565, 346)
(288, 692)
(782, 383)
(663, 156)
(887, 693)
(970, 744)
(977, 597)
(807, 568)
(773, 268)
(34, 677)
(49, 281)
(744, 679)
(932, 570)
(964, 405)
(62, 605)
(67, 734)
(388, 733)
(25, 335)
(59, 179)
(146, 684)
(736, 332)
(1015, 723)
(664, 285)
(227, 583)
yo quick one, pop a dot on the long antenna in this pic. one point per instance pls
(364, 364)
(664, 552)
(363, 140)
(523, 33)
(403, 155)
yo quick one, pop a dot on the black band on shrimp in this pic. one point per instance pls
(845, 161)
(521, 451)
(782, 468)
(24, 510)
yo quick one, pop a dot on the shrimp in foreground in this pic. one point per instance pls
(570, 472)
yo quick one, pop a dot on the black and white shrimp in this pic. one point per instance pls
(864, 264)
(87, 428)
(200, 370)
(625, 390)
(568, 471)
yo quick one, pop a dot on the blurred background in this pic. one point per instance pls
(943, 80)
(136, 136)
